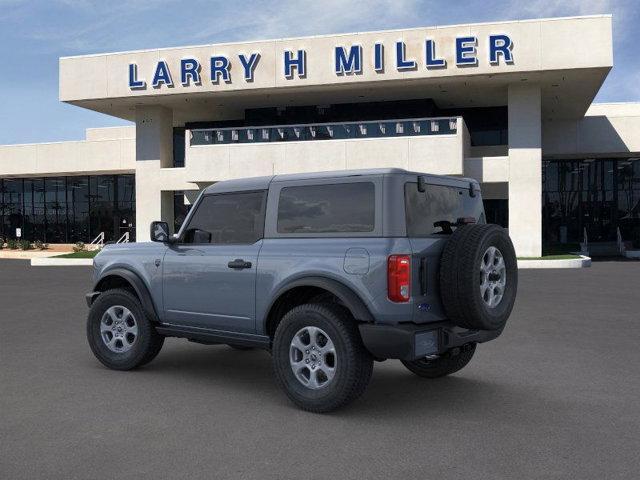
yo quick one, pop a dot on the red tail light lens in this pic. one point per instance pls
(398, 278)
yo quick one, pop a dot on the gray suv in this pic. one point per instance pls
(327, 271)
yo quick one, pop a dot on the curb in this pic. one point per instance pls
(582, 262)
(61, 262)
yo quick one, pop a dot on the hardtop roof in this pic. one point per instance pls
(262, 183)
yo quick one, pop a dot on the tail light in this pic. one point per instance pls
(398, 278)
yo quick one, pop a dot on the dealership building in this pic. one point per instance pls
(506, 103)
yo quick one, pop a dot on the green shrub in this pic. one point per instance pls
(12, 244)
(1, 243)
(79, 247)
(25, 245)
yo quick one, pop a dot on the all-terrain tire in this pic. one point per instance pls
(443, 365)
(353, 363)
(461, 277)
(144, 348)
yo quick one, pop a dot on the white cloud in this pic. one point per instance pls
(554, 8)
(622, 10)
(99, 25)
(293, 18)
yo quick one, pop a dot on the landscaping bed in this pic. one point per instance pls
(79, 254)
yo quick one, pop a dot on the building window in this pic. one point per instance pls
(335, 131)
(497, 211)
(68, 209)
(599, 196)
(178, 147)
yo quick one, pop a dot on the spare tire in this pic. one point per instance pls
(479, 277)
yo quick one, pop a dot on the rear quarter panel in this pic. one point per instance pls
(282, 261)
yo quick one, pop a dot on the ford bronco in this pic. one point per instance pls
(327, 271)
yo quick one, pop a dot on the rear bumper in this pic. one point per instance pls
(410, 341)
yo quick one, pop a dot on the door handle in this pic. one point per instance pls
(239, 264)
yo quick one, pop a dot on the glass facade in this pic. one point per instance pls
(68, 209)
(497, 211)
(178, 147)
(599, 195)
(325, 131)
(486, 125)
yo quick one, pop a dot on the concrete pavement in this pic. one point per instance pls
(557, 396)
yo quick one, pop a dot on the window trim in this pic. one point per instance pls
(198, 203)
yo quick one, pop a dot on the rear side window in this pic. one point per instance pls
(438, 203)
(232, 218)
(343, 207)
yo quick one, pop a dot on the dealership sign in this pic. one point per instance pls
(345, 60)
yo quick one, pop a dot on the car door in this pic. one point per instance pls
(209, 275)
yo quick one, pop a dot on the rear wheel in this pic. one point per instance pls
(319, 359)
(120, 333)
(444, 365)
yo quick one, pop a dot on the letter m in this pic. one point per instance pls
(351, 63)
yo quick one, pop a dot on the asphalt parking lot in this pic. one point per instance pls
(557, 396)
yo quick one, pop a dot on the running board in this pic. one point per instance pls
(208, 336)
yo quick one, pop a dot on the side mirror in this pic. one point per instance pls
(159, 232)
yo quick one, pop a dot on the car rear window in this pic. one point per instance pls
(438, 203)
(343, 207)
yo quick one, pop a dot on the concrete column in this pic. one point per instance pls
(166, 208)
(154, 151)
(525, 169)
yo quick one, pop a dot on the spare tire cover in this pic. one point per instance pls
(479, 277)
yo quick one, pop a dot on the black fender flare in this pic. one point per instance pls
(138, 285)
(347, 296)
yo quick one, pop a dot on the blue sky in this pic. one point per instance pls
(33, 34)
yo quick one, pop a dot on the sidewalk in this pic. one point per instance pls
(28, 254)
(52, 251)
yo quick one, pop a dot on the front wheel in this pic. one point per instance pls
(444, 365)
(319, 359)
(120, 333)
